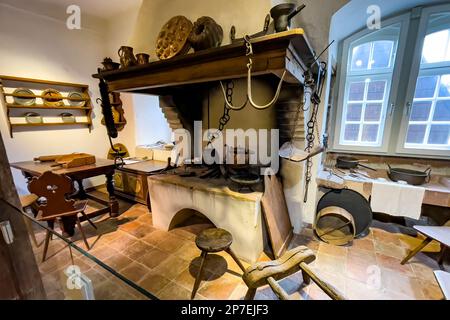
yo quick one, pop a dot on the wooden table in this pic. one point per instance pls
(436, 194)
(435, 203)
(105, 167)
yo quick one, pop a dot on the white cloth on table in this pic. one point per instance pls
(397, 199)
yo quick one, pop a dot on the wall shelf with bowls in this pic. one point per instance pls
(36, 94)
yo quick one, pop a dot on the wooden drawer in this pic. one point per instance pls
(131, 186)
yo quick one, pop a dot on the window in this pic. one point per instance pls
(429, 113)
(377, 112)
(367, 85)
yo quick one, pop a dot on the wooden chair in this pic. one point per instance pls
(439, 233)
(443, 279)
(292, 261)
(27, 202)
(54, 189)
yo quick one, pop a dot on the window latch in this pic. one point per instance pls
(408, 108)
(391, 109)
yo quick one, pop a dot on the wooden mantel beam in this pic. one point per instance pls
(272, 54)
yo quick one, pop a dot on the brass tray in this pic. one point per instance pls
(173, 38)
(52, 98)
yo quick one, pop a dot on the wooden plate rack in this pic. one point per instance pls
(8, 84)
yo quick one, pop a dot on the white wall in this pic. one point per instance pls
(119, 31)
(150, 125)
(248, 17)
(38, 46)
(145, 121)
(353, 16)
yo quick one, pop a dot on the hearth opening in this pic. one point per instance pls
(190, 220)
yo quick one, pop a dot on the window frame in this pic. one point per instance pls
(364, 102)
(392, 86)
(400, 148)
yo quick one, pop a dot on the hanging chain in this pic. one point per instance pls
(312, 131)
(226, 112)
(310, 137)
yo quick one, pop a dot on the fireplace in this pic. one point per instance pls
(239, 213)
(189, 91)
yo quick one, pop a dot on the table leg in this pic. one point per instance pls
(113, 204)
(81, 194)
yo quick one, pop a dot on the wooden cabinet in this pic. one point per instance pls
(131, 186)
(130, 181)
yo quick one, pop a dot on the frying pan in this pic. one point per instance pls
(344, 162)
(351, 201)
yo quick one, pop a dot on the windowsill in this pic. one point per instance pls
(378, 157)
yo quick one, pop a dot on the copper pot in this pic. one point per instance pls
(127, 58)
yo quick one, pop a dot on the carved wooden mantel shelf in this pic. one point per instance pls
(272, 54)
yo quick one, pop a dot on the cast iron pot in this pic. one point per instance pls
(282, 15)
(413, 177)
(350, 163)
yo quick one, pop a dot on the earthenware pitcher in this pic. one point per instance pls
(127, 58)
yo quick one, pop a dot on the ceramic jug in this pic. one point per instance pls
(127, 58)
(142, 58)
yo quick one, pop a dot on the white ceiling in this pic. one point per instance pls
(104, 9)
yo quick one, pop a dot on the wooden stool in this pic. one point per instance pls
(27, 201)
(210, 241)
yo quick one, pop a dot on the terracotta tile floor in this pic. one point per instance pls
(165, 264)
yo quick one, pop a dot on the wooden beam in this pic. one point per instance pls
(17, 258)
(272, 54)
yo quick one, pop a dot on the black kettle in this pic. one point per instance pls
(282, 15)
